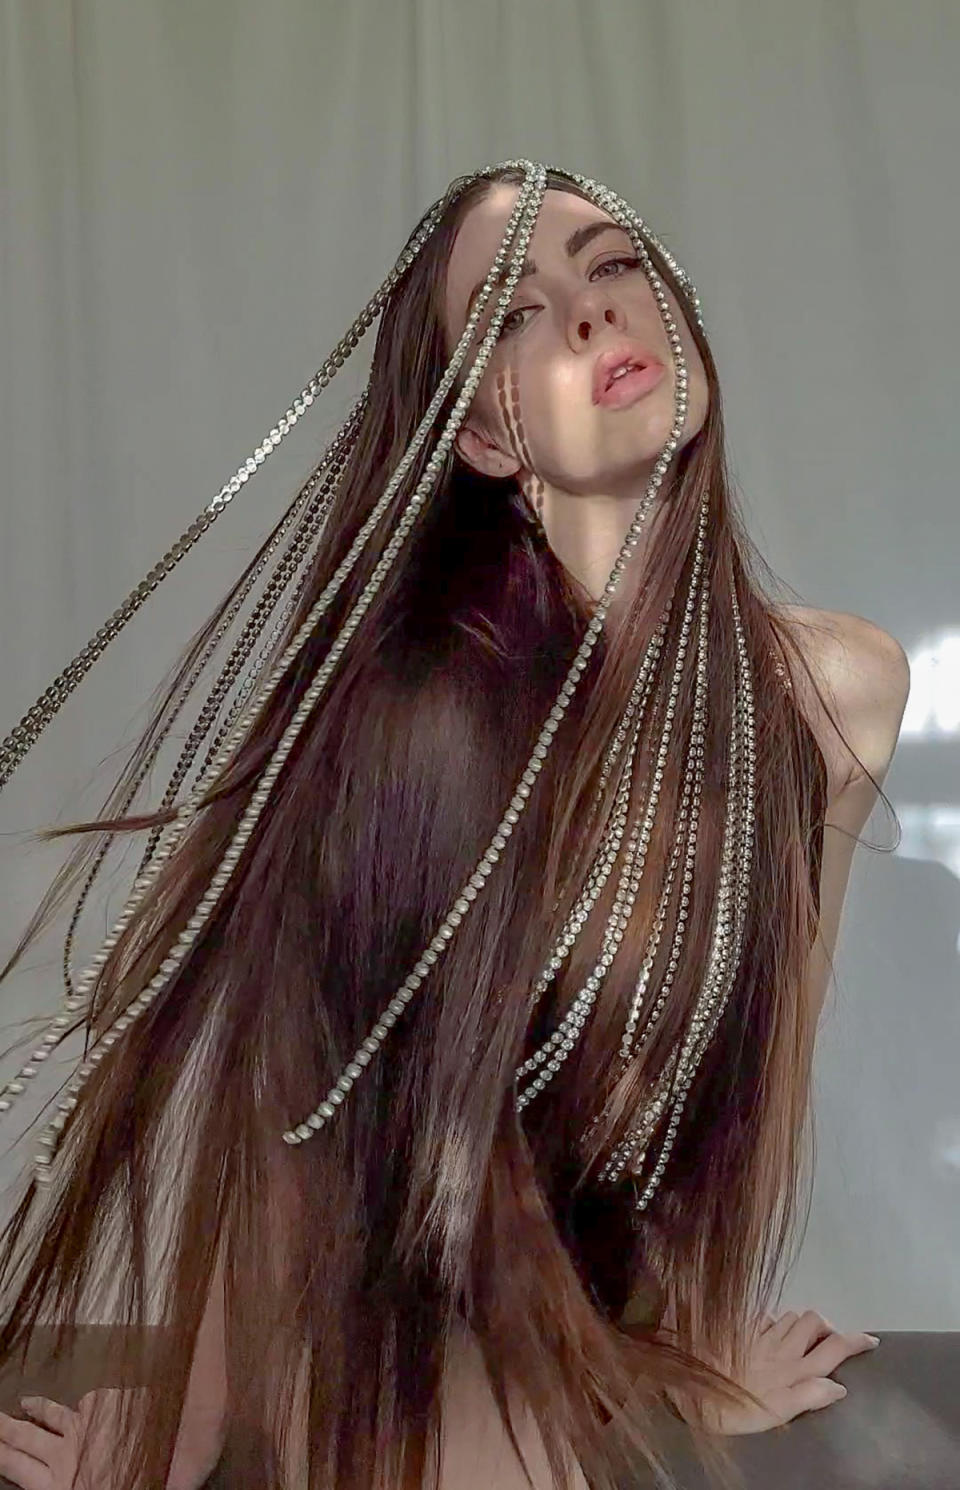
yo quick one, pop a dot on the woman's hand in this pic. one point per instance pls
(42, 1451)
(788, 1369)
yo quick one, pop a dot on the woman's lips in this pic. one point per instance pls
(632, 385)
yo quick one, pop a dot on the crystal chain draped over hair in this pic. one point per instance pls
(306, 519)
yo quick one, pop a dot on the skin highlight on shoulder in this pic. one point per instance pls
(865, 674)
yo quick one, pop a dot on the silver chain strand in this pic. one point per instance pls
(739, 826)
(607, 853)
(691, 787)
(726, 946)
(574, 1021)
(691, 794)
(297, 555)
(312, 519)
(14, 748)
(57, 1027)
(24, 735)
(186, 810)
(686, 831)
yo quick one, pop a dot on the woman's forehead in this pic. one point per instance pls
(478, 238)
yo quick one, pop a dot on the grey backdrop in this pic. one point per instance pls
(196, 200)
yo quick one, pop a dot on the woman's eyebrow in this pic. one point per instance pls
(578, 239)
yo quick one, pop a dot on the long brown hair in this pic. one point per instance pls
(428, 1204)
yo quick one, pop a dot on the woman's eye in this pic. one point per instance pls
(629, 263)
(507, 330)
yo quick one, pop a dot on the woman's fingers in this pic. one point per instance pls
(832, 1352)
(788, 1368)
(20, 1469)
(16, 1463)
(815, 1393)
(805, 1332)
(53, 1415)
(27, 1437)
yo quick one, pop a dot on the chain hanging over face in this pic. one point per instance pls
(304, 523)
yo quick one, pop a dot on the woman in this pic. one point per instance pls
(516, 672)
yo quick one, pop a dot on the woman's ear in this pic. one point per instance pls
(480, 452)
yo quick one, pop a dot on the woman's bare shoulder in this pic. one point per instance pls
(864, 674)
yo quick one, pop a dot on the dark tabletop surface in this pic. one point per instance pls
(899, 1428)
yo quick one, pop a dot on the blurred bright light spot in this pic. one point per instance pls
(930, 832)
(933, 707)
(947, 1142)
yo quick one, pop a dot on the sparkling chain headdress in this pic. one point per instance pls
(304, 522)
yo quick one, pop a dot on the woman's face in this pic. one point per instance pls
(534, 410)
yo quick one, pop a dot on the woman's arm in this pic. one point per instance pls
(866, 676)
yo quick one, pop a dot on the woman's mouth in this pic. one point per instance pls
(628, 386)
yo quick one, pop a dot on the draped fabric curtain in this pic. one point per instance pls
(196, 200)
